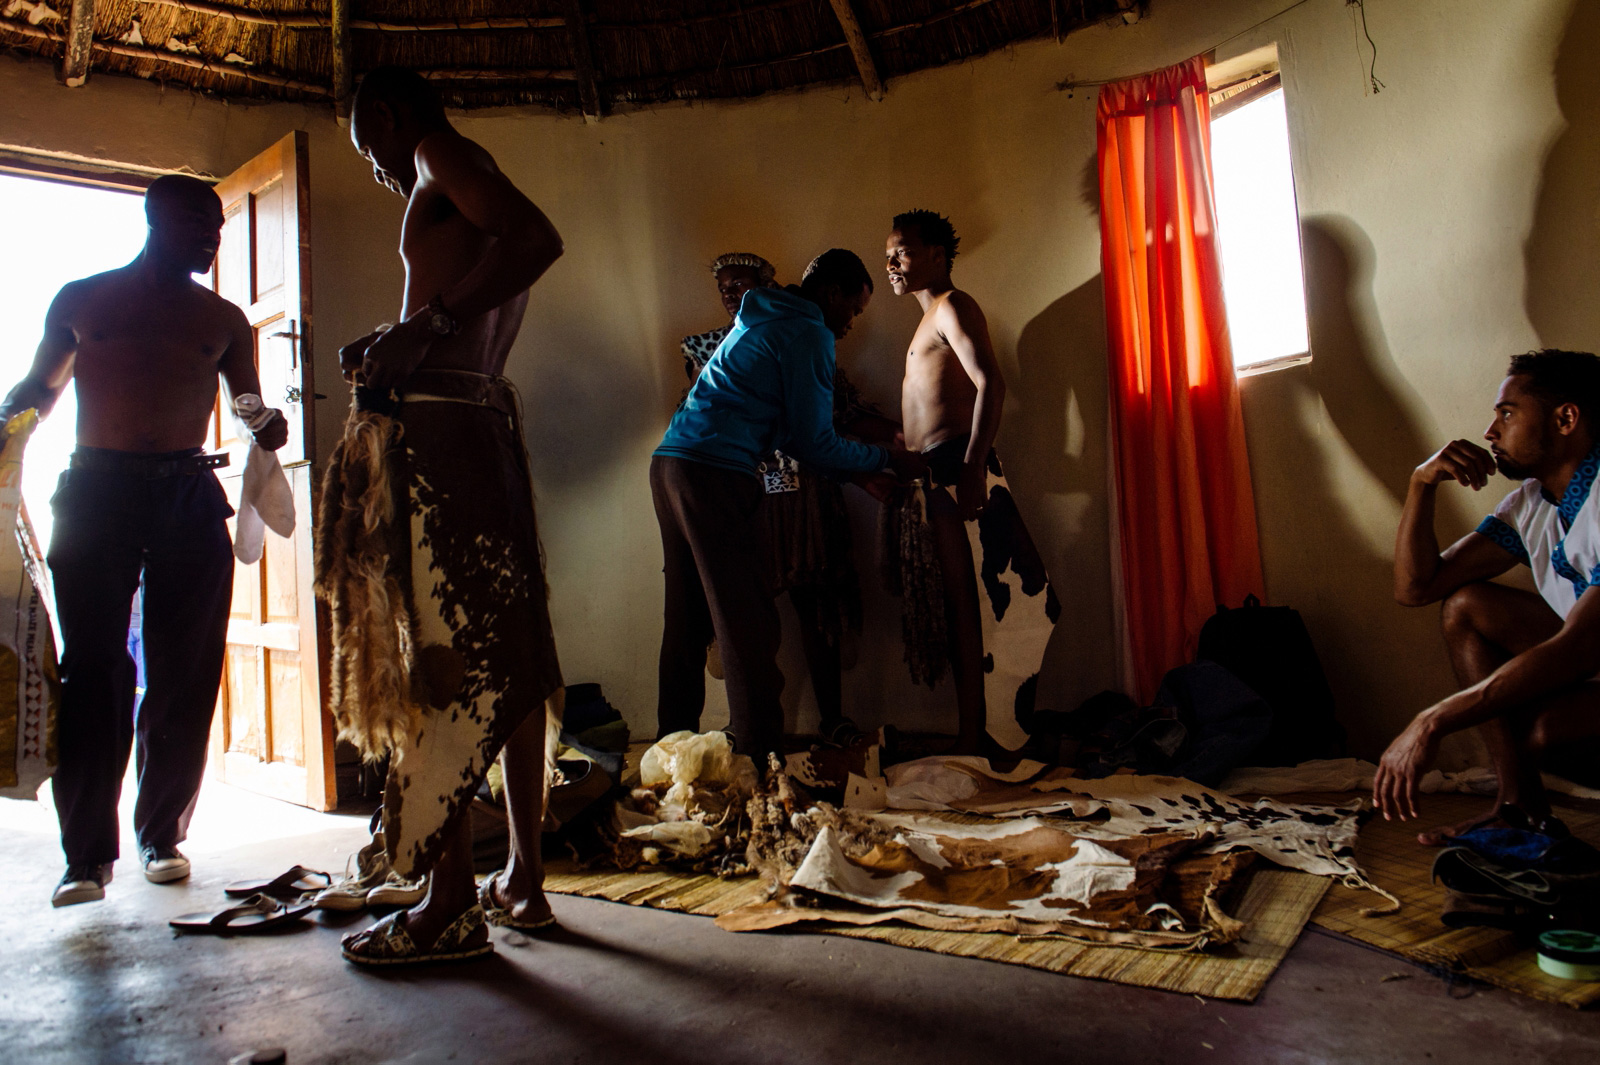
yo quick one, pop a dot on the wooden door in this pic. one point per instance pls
(271, 733)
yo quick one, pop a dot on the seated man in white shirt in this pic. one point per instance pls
(1528, 663)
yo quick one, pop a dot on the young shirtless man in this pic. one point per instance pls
(950, 404)
(1528, 663)
(145, 344)
(486, 661)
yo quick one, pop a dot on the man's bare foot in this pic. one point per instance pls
(502, 907)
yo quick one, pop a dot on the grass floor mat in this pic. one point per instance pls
(1275, 904)
(1392, 857)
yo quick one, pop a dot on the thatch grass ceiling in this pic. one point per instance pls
(487, 53)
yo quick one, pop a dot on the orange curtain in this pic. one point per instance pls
(1183, 510)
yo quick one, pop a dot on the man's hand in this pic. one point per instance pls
(1461, 461)
(907, 465)
(354, 353)
(392, 357)
(972, 493)
(1397, 784)
(274, 434)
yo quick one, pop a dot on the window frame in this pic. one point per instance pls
(1226, 97)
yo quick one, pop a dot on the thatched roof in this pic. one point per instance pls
(570, 55)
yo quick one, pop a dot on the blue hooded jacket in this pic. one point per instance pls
(769, 385)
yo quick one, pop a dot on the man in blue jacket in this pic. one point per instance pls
(768, 385)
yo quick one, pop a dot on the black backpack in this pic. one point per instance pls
(1269, 649)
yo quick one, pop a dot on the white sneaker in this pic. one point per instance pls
(397, 892)
(82, 883)
(162, 865)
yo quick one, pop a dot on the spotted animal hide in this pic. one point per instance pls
(1018, 607)
(484, 655)
(1309, 838)
(1032, 876)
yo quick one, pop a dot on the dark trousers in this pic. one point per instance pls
(711, 542)
(109, 528)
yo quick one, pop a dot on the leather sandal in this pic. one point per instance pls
(388, 942)
(258, 913)
(500, 916)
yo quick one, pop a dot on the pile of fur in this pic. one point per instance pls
(362, 564)
(785, 821)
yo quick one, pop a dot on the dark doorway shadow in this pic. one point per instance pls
(1564, 244)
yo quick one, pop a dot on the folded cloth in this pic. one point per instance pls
(265, 501)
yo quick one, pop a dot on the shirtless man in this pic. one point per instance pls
(1528, 663)
(950, 403)
(472, 245)
(145, 344)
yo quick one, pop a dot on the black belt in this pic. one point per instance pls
(148, 467)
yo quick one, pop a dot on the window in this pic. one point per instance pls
(1258, 226)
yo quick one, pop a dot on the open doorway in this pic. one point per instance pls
(57, 232)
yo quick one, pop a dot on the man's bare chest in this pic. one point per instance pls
(177, 335)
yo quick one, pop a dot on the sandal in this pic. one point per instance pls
(296, 882)
(388, 942)
(500, 916)
(258, 913)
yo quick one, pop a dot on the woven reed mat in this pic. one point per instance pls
(1392, 857)
(1275, 904)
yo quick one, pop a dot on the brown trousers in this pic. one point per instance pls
(715, 568)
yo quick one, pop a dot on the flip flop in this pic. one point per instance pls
(289, 885)
(388, 943)
(499, 916)
(258, 913)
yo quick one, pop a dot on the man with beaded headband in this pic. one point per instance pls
(768, 384)
(807, 530)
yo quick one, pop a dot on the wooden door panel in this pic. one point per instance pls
(273, 735)
(267, 224)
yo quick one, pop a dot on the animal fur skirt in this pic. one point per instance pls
(428, 555)
(1017, 605)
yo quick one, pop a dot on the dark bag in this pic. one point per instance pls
(1269, 649)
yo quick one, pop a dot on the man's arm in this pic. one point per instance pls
(1422, 574)
(526, 244)
(52, 361)
(1570, 656)
(964, 328)
(807, 369)
(238, 369)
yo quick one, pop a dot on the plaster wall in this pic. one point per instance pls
(1450, 219)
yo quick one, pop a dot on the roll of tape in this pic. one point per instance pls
(1570, 954)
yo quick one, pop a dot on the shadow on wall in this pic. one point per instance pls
(1563, 247)
(1366, 397)
(1317, 556)
(1056, 460)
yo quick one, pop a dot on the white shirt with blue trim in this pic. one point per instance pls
(1560, 542)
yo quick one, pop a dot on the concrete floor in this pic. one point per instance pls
(109, 982)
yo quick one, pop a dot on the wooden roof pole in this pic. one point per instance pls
(343, 76)
(858, 48)
(80, 38)
(582, 58)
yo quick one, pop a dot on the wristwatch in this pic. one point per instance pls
(440, 321)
